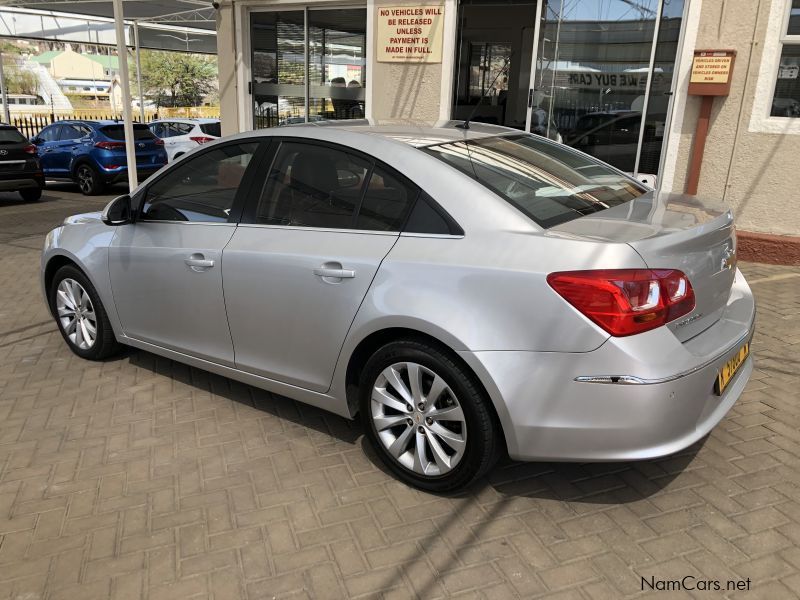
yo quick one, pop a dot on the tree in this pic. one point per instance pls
(176, 78)
(18, 80)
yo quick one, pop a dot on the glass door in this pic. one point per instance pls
(603, 77)
(278, 67)
(308, 65)
(337, 56)
(495, 47)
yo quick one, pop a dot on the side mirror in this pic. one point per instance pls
(36, 141)
(118, 211)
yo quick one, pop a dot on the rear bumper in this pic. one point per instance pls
(549, 413)
(21, 182)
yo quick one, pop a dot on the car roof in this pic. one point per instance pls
(418, 135)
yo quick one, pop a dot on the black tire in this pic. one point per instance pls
(89, 180)
(483, 437)
(31, 194)
(105, 344)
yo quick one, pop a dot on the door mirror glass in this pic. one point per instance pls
(36, 141)
(118, 211)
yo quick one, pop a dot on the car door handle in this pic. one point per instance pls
(337, 273)
(198, 262)
(48, 149)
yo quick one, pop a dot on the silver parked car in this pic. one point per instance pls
(465, 291)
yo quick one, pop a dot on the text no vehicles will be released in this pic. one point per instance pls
(410, 33)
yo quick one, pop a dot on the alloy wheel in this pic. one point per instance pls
(85, 179)
(76, 314)
(418, 419)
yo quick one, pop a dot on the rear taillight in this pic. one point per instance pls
(626, 301)
(158, 142)
(110, 145)
(201, 139)
(29, 149)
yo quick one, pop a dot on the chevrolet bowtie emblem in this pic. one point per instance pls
(728, 259)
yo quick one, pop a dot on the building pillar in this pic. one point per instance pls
(226, 63)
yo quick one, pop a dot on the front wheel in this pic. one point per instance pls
(88, 180)
(80, 315)
(427, 417)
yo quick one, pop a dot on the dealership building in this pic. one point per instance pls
(609, 77)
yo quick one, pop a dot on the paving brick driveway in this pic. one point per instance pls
(142, 478)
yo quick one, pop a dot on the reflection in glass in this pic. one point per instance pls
(490, 32)
(794, 19)
(669, 32)
(786, 99)
(337, 48)
(278, 67)
(591, 77)
(336, 65)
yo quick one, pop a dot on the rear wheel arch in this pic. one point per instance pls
(377, 339)
(82, 160)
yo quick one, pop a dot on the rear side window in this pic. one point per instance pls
(50, 134)
(547, 182)
(312, 186)
(73, 132)
(211, 129)
(387, 201)
(428, 218)
(117, 132)
(202, 188)
(10, 135)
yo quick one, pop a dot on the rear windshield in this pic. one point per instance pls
(211, 129)
(547, 182)
(117, 132)
(10, 135)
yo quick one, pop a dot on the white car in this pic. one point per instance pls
(182, 135)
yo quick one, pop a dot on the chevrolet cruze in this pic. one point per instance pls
(465, 291)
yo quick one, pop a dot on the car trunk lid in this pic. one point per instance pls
(673, 231)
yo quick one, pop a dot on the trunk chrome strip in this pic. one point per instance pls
(634, 380)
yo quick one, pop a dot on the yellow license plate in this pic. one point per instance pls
(729, 369)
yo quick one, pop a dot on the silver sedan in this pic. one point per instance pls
(466, 292)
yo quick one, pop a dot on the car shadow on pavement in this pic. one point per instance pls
(591, 483)
(14, 199)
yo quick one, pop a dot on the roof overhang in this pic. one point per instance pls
(179, 25)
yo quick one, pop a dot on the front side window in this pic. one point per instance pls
(312, 186)
(547, 182)
(202, 188)
(786, 97)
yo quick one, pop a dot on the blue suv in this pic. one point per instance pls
(92, 153)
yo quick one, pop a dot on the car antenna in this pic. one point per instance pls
(465, 124)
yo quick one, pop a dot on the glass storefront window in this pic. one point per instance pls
(786, 97)
(337, 45)
(336, 65)
(590, 78)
